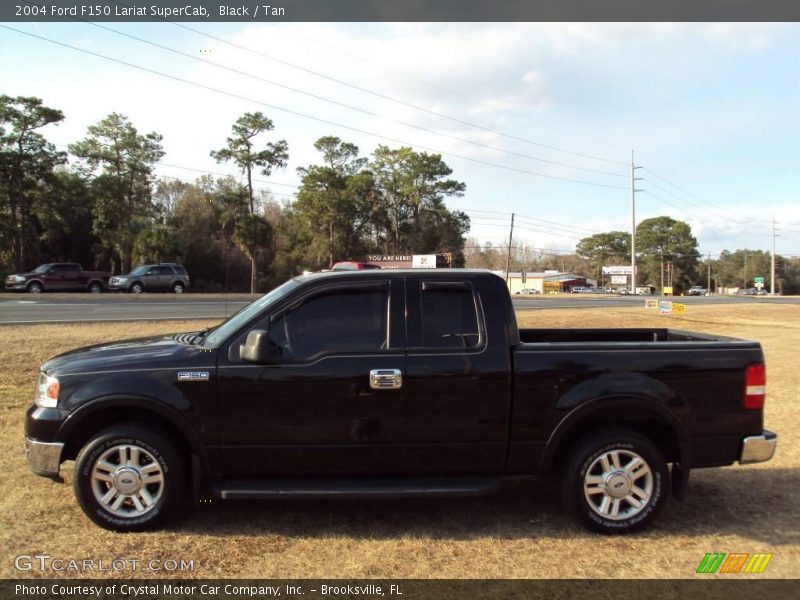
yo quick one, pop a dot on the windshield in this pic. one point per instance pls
(217, 336)
(139, 270)
(42, 268)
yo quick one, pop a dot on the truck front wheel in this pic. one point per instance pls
(128, 479)
(616, 481)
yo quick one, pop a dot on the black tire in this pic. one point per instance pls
(178, 287)
(96, 287)
(35, 288)
(137, 288)
(156, 456)
(592, 502)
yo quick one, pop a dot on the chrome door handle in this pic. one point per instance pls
(385, 379)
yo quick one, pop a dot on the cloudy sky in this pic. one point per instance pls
(537, 119)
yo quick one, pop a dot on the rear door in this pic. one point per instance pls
(458, 380)
(165, 276)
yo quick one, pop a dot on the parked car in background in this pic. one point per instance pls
(597, 290)
(58, 277)
(580, 289)
(352, 265)
(696, 290)
(527, 292)
(748, 292)
(163, 277)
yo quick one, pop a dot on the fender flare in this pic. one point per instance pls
(146, 403)
(601, 403)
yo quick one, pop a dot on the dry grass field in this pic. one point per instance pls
(520, 532)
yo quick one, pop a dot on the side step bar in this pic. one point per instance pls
(273, 489)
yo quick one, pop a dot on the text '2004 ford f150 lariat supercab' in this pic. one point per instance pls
(395, 383)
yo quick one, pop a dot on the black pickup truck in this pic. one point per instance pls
(395, 383)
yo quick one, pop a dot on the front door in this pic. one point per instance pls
(315, 409)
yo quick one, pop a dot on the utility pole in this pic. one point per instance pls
(508, 256)
(708, 285)
(661, 252)
(634, 179)
(772, 267)
(745, 269)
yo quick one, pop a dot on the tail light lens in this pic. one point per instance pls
(755, 389)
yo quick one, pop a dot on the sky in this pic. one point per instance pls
(538, 119)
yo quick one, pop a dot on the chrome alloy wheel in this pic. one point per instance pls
(127, 481)
(618, 484)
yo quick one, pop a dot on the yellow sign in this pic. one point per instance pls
(552, 286)
(678, 308)
(667, 290)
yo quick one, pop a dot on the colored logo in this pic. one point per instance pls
(719, 562)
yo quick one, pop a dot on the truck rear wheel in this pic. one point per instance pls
(128, 479)
(616, 481)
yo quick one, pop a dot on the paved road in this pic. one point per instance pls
(76, 308)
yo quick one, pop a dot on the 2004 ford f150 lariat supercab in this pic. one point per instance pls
(395, 383)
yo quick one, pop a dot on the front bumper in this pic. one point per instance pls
(758, 448)
(15, 287)
(44, 458)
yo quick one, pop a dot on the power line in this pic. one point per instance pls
(383, 96)
(306, 116)
(343, 104)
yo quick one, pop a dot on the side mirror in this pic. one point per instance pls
(256, 349)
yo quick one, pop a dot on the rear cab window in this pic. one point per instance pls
(448, 316)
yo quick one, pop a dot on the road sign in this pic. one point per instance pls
(664, 307)
(651, 303)
(758, 279)
(617, 279)
(678, 308)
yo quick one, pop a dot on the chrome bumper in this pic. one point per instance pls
(758, 448)
(43, 458)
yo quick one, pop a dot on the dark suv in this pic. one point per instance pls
(152, 278)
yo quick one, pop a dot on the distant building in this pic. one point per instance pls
(545, 282)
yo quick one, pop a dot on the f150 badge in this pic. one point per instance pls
(192, 375)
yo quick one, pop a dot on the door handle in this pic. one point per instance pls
(385, 379)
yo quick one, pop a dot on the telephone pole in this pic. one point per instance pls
(708, 285)
(772, 266)
(634, 179)
(508, 256)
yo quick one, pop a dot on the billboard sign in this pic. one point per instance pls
(617, 270)
(619, 279)
(423, 261)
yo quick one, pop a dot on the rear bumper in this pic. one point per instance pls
(44, 458)
(758, 448)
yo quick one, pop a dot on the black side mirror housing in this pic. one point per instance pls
(256, 348)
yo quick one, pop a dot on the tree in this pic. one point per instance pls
(26, 161)
(601, 248)
(122, 161)
(664, 238)
(240, 148)
(253, 233)
(330, 201)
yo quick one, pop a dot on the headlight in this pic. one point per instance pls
(122, 279)
(47, 391)
(18, 279)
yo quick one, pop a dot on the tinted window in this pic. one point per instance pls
(70, 268)
(139, 270)
(449, 318)
(179, 270)
(342, 322)
(164, 271)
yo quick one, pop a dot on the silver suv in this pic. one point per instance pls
(152, 278)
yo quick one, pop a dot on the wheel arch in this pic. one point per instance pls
(107, 411)
(642, 414)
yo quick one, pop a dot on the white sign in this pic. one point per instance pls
(423, 261)
(619, 279)
(617, 270)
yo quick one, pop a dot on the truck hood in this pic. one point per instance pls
(164, 351)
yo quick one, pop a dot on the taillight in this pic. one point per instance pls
(755, 386)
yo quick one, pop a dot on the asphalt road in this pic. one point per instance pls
(77, 308)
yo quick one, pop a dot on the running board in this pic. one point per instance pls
(274, 489)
